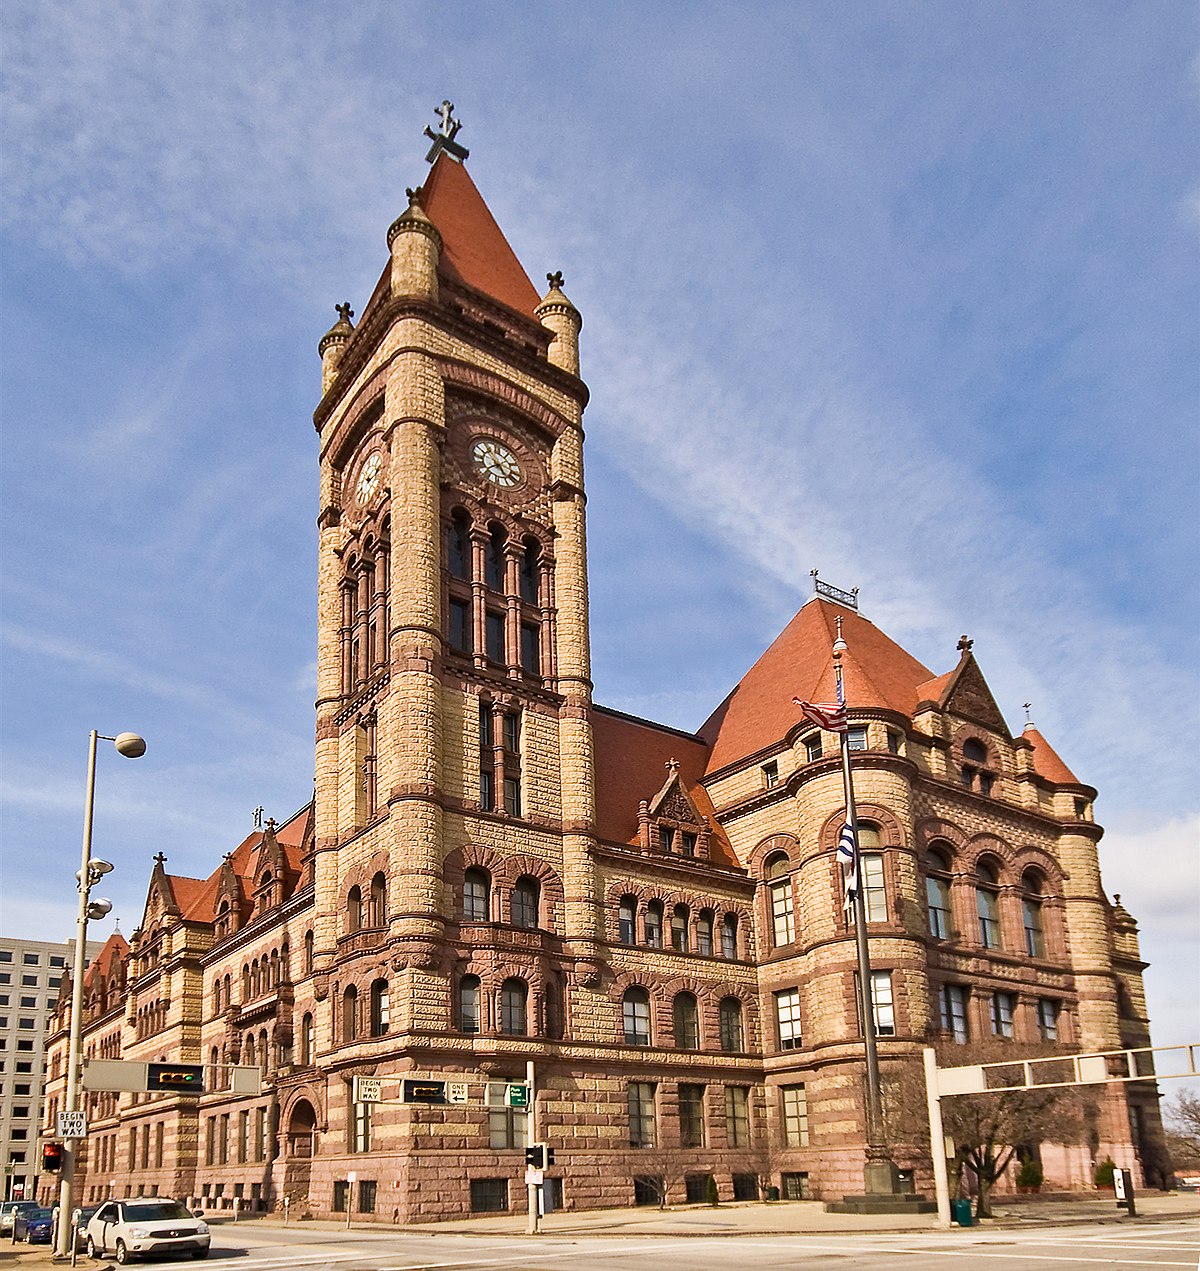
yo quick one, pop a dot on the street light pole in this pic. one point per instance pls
(132, 747)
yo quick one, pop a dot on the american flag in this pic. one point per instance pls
(829, 716)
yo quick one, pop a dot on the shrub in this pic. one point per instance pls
(1105, 1171)
(1030, 1174)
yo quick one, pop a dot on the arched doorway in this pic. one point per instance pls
(301, 1130)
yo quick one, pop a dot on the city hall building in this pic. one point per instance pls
(496, 871)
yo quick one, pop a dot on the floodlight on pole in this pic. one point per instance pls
(90, 872)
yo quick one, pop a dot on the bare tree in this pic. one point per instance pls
(988, 1129)
(1183, 1129)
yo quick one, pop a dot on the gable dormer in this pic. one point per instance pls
(228, 916)
(670, 823)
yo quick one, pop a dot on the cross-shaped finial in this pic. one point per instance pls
(672, 765)
(160, 858)
(443, 139)
(1027, 706)
(258, 816)
(344, 311)
(965, 645)
(555, 279)
(271, 825)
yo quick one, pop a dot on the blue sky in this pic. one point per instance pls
(907, 293)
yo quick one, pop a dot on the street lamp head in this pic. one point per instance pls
(99, 909)
(99, 868)
(130, 745)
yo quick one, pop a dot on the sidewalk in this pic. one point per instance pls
(752, 1218)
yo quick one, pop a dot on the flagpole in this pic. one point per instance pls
(876, 1149)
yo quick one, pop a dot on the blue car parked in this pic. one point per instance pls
(33, 1226)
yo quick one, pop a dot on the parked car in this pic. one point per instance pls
(81, 1221)
(145, 1227)
(33, 1226)
(10, 1209)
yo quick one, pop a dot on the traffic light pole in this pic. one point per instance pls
(534, 1227)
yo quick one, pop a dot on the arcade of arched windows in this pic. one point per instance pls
(520, 890)
(361, 1009)
(151, 1018)
(363, 621)
(499, 593)
(261, 975)
(974, 761)
(981, 891)
(512, 997)
(684, 1013)
(682, 922)
(365, 907)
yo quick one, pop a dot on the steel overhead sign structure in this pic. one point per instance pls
(1044, 1073)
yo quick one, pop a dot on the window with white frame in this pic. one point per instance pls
(795, 1116)
(640, 1100)
(1048, 1012)
(937, 894)
(635, 1010)
(953, 1008)
(779, 890)
(987, 903)
(883, 1008)
(787, 1017)
(1003, 1009)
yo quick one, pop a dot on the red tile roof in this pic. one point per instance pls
(1046, 761)
(474, 250)
(631, 765)
(759, 711)
(114, 950)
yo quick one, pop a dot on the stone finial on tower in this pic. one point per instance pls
(965, 644)
(333, 345)
(416, 246)
(559, 315)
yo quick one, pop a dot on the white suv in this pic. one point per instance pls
(145, 1227)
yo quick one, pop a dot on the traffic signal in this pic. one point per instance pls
(175, 1078)
(52, 1157)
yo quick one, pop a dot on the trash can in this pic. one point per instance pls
(960, 1212)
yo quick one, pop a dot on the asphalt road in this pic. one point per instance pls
(1165, 1244)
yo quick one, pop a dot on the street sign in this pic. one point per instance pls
(72, 1125)
(533, 1177)
(457, 1092)
(516, 1094)
(368, 1090)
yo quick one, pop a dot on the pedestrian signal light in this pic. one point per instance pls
(52, 1157)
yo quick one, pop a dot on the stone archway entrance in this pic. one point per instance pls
(299, 1147)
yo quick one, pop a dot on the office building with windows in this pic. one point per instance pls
(496, 870)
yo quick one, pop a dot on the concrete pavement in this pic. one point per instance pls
(752, 1218)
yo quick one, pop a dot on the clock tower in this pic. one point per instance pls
(454, 779)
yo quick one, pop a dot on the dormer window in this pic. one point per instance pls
(666, 838)
(971, 774)
(856, 738)
(812, 747)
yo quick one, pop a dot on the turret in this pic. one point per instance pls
(416, 246)
(559, 315)
(333, 345)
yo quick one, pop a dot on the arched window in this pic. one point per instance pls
(974, 751)
(458, 545)
(493, 572)
(308, 1041)
(308, 952)
(379, 1008)
(514, 1018)
(732, 1037)
(552, 998)
(248, 1056)
(729, 927)
(468, 1004)
(350, 1014)
(635, 1009)
(285, 963)
(870, 844)
(477, 891)
(274, 968)
(228, 992)
(530, 557)
(525, 898)
(214, 1057)
(1031, 906)
(686, 1018)
(973, 776)
(246, 982)
(679, 928)
(652, 924)
(379, 900)
(779, 889)
(937, 894)
(704, 932)
(627, 920)
(354, 914)
(987, 903)
(216, 997)
(264, 1051)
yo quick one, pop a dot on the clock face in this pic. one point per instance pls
(368, 480)
(495, 462)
